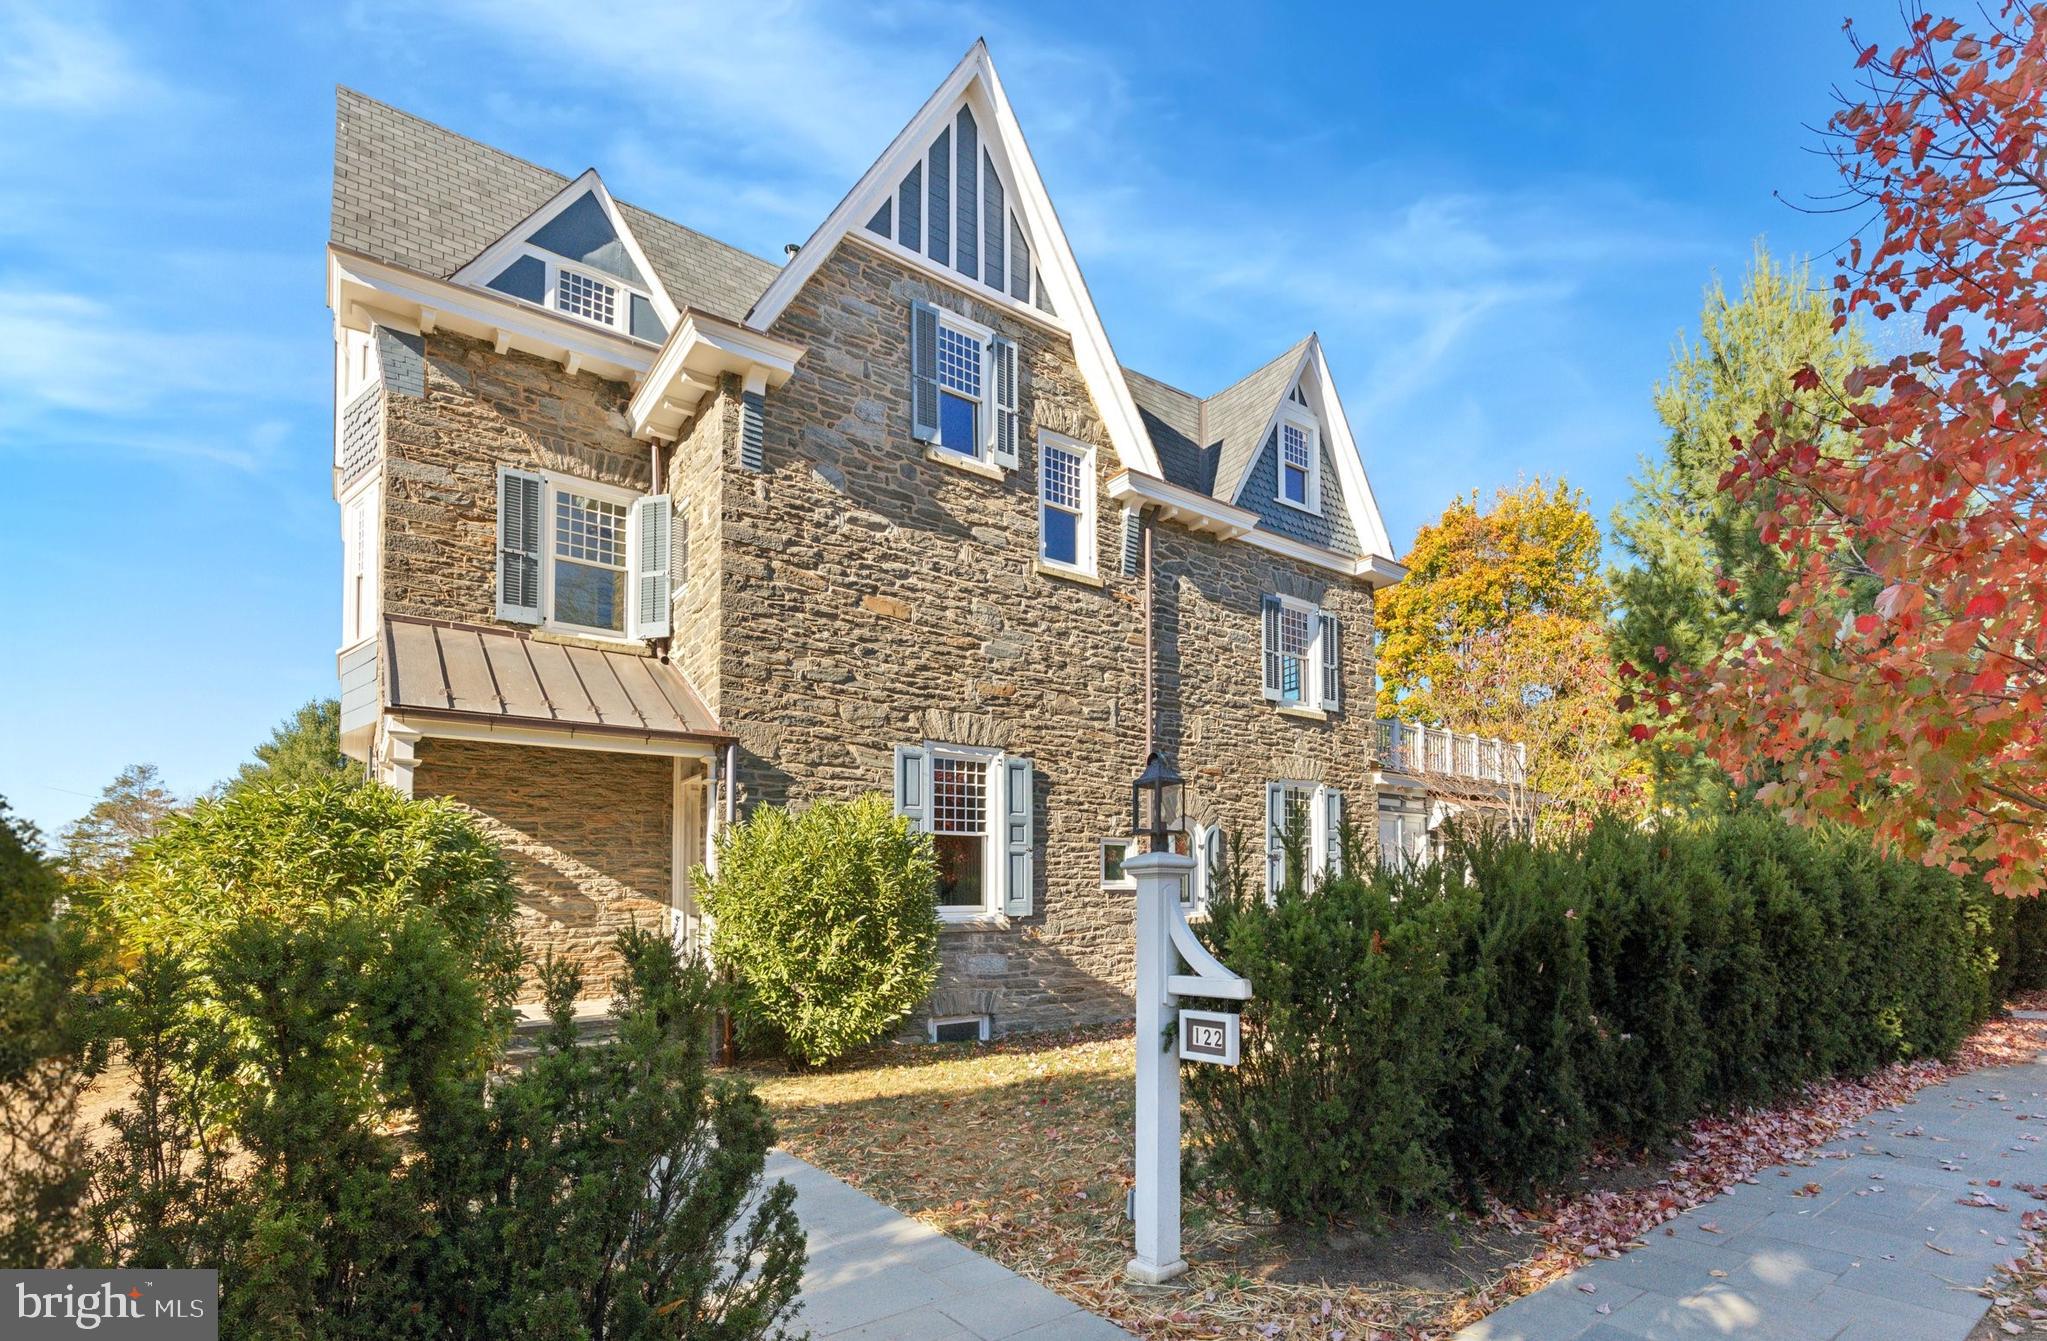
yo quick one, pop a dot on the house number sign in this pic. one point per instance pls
(1209, 1036)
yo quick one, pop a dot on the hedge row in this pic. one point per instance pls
(1484, 1024)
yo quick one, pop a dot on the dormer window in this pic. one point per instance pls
(591, 299)
(1300, 458)
(574, 257)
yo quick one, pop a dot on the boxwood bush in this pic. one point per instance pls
(827, 922)
(1483, 1025)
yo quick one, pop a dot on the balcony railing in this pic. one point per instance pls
(1404, 747)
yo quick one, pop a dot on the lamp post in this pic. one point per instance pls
(1157, 813)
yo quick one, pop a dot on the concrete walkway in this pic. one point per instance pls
(876, 1273)
(1886, 1241)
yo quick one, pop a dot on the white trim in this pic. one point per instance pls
(561, 737)
(553, 482)
(1311, 666)
(993, 858)
(362, 291)
(983, 339)
(932, 1023)
(1087, 541)
(1300, 417)
(974, 81)
(359, 604)
(699, 350)
(962, 284)
(493, 259)
(1128, 881)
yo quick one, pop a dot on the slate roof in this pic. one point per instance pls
(470, 671)
(417, 195)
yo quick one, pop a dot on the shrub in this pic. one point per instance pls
(1602, 992)
(311, 1117)
(826, 920)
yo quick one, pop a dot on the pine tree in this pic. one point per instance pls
(305, 747)
(97, 846)
(1688, 539)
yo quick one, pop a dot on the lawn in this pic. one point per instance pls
(1021, 1150)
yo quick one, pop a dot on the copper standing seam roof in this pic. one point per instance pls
(470, 672)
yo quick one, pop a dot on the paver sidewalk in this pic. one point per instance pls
(1882, 1247)
(876, 1273)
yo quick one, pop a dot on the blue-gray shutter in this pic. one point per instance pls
(753, 409)
(910, 205)
(923, 372)
(939, 230)
(1019, 833)
(1332, 664)
(968, 228)
(913, 784)
(1133, 541)
(1332, 832)
(991, 224)
(651, 523)
(1019, 263)
(1270, 623)
(519, 525)
(1275, 853)
(1003, 353)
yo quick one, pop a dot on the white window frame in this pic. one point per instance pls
(1318, 834)
(552, 483)
(931, 1025)
(1313, 691)
(994, 865)
(1300, 417)
(622, 313)
(1127, 881)
(1414, 806)
(1085, 545)
(1201, 884)
(361, 551)
(984, 404)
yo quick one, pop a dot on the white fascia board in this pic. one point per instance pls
(1350, 466)
(1191, 508)
(481, 271)
(974, 80)
(360, 288)
(563, 737)
(698, 351)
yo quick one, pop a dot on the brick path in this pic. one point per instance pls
(1883, 1251)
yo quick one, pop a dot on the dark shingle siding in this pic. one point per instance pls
(1330, 529)
(359, 433)
(411, 193)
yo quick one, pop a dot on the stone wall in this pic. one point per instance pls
(481, 410)
(586, 834)
(694, 473)
(875, 597)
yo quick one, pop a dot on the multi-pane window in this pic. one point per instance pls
(1403, 830)
(1114, 852)
(1065, 488)
(579, 295)
(589, 562)
(1293, 654)
(959, 827)
(959, 390)
(1296, 463)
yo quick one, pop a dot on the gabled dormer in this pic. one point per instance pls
(576, 257)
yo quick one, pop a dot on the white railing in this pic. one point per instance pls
(1404, 747)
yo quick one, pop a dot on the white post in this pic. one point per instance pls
(1158, 876)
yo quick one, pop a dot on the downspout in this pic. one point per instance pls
(1150, 670)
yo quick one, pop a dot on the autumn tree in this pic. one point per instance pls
(1698, 571)
(1499, 628)
(1923, 716)
(97, 845)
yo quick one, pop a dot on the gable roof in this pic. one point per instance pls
(973, 83)
(416, 195)
(1238, 415)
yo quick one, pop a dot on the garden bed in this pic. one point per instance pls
(1021, 1150)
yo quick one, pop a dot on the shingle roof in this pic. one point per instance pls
(1207, 445)
(414, 194)
(469, 671)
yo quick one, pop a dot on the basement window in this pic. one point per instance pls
(959, 1029)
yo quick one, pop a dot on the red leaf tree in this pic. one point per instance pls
(1908, 694)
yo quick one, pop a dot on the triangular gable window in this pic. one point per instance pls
(953, 207)
(572, 257)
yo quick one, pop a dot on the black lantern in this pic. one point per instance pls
(1156, 812)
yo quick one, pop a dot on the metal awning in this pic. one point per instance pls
(469, 672)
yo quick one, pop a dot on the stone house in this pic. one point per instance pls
(640, 531)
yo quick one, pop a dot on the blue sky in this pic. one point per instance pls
(1499, 217)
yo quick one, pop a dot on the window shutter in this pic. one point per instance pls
(1332, 832)
(923, 372)
(1003, 355)
(1133, 541)
(1019, 832)
(1332, 664)
(1275, 855)
(518, 546)
(913, 785)
(652, 524)
(1271, 645)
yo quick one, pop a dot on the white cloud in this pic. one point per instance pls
(71, 63)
